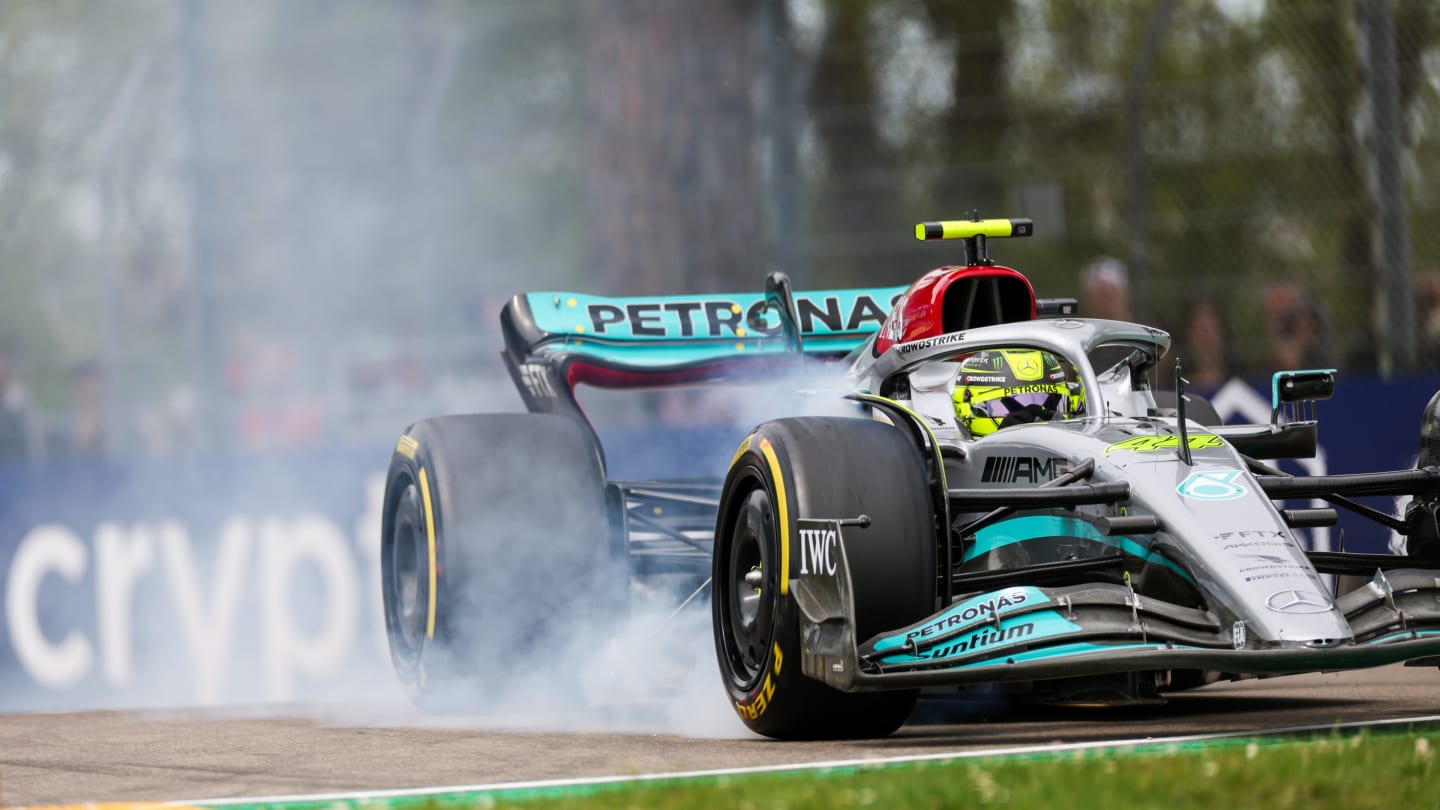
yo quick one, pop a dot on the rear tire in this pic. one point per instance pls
(818, 468)
(495, 547)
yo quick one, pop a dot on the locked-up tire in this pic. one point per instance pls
(817, 468)
(495, 551)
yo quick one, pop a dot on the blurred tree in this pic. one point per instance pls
(1318, 43)
(382, 177)
(903, 116)
(1253, 138)
(1415, 33)
(975, 125)
(90, 163)
(376, 178)
(672, 175)
(859, 192)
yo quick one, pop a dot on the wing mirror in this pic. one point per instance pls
(1293, 392)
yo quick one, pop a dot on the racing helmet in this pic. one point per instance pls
(998, 388)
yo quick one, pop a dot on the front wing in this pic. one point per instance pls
(1029, 633)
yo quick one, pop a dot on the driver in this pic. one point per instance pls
(997, 388)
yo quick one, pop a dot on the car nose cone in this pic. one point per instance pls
(1297, 601)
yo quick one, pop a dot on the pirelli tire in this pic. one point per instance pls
(495, 551)
(817, 467)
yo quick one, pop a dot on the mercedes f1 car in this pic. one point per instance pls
(1007, 498)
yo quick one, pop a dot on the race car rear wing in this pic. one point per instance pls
(555, 341)
(662, 331)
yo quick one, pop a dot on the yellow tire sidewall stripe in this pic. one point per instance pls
(430, 542)
(768, 450)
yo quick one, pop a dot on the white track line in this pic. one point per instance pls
(1143, 742)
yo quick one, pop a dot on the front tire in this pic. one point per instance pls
(817, 468)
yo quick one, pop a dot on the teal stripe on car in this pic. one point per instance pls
(1074, 648)
(854, 313)
(663, 332)
(1033, 527)
(979, 608)
(1012, 632)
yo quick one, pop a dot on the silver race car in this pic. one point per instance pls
(1007, 500)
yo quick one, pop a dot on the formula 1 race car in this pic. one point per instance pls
(1001, 496)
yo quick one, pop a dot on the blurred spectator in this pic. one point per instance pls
(21, 434)
(1427, 320)
(83, 431)
(1298, 328)
(274, 397)
(1105, 290)
(167, 425)
(1204, 348)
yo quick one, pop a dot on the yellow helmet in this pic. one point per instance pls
(998, 388)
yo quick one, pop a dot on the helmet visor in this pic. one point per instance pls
(1041, 406)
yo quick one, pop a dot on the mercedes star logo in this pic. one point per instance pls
(1293, 601)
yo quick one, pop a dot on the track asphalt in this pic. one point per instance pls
(50, 758)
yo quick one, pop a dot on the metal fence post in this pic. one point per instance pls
(1137, 186)
(1395, 315)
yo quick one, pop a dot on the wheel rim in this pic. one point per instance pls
(751, 589)
(407, 561)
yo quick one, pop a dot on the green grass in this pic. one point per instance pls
(1397, 772)
(1390, 770)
